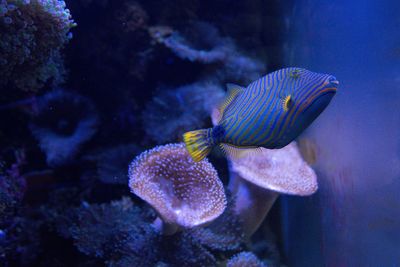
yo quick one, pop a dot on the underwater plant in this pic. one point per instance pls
(33, 32)
(63, 122)
(185, 194)
(172, 112)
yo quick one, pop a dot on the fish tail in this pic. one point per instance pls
(199, 143)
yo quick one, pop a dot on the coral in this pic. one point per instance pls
(64, 122)
(111, 163)
(201, 42)
(12, 188)
(33, 33)
(183, 250)
(224, 233)
(173, 112)
(281, 170)
(115, 232)
(259, 176)
(245, 259)
(20, 242)
(184, 193)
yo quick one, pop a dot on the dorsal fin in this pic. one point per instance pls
(233, 92)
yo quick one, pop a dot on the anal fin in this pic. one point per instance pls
(235, 152)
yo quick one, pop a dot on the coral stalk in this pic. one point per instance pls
(259, 176)
(252, 203)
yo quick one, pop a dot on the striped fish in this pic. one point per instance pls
(270, 112)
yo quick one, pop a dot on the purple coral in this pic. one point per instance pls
(33, 33)
(12, 187)
(172, 112)
(64, 122)
(184, 193)
(115, 232)
(245, 259)
(223, 234)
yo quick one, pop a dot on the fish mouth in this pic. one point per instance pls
(332, 83)
(324, 93)
(328, 90)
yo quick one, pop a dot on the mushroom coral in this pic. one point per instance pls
(63, 122)
(257, 178)
(184, 193)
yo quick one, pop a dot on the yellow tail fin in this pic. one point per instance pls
(198, 143)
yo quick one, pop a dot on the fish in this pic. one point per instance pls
(270, 112)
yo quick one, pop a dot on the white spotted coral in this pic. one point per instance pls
(257, 178)
(184, 193)
(280, 170)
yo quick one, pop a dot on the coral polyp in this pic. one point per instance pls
(33, 32)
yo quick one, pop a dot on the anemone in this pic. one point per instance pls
(201, 42)
(33, 33)
(185, 194)
(63, 122)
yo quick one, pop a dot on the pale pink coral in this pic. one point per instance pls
(184, 193)
(280, 170)
(258, 177)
